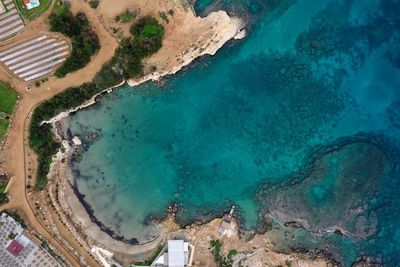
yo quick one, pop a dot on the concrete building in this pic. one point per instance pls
(226, 227)
(177, 253)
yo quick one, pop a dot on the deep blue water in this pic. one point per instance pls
(298, 122)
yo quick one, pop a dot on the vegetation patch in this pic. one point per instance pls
(147, 28)
(164, 16)
(220, 259)
(127, 16)
(31, 14)
(3, 195)
(45, 245)
(16, 217)
(94, 3)
(151, 259)
(85, 42)
(147, 39)
(126, 63)
(8, 100)
(3, 128)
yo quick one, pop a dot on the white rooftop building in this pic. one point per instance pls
(178, 254)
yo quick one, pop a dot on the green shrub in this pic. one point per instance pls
(8, 98)
(216, 246)
(127, 16)
(3, 185)
(3, 128)
(85, 42)
(94, 3)
(16, 217)
(148, 35)
(152, 258)
(147, 27)
(231, 253)
(220, 260)
(3, 198)
(163, 15)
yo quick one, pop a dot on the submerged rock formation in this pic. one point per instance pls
(332, 195)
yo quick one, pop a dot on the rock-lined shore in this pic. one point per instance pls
(252, 250)
(220, 28)
(210, 35)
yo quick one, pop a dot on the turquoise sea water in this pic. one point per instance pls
(298, 122)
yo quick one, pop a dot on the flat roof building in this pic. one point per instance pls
(17, 249)
(178, 253)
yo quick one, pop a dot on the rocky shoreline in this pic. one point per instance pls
(236, 32)
(60, 189)
(91, 233)
(89, 238)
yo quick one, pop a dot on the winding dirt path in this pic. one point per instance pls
(16, 149)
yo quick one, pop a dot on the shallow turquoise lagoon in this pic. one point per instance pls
(306, 110)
